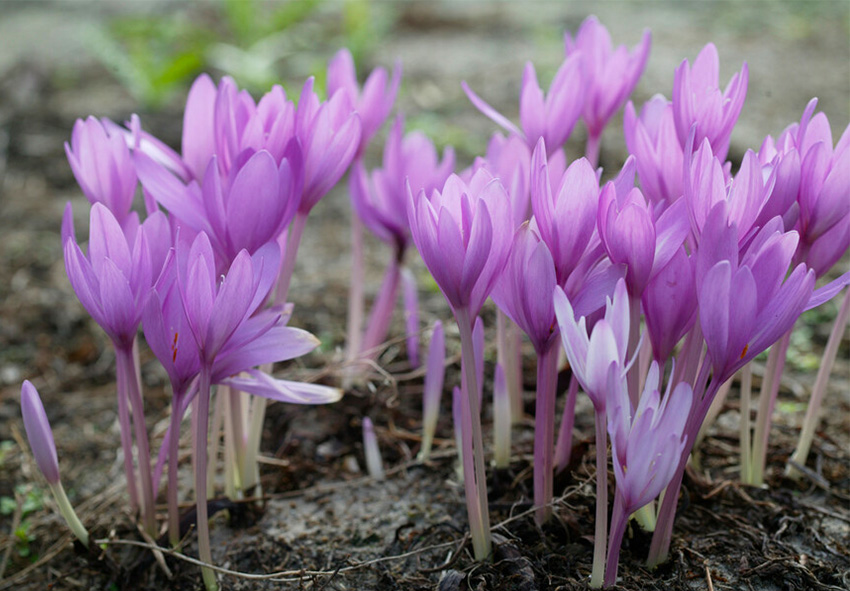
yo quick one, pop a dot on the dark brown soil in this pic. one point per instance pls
(322, 524)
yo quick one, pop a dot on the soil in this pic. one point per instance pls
(322, 523)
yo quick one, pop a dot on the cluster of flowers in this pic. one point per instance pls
(716, 267)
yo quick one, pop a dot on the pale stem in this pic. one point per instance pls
(410, 296)
(619, 520)
(296, 231)
(255, 436)
(474, 475)
(355, 291)
(599, 538)
(204, 550)
(67, 511)
(173, 461)
(219, 413)
(767, 401)
(645, 516)
(544, 431)
(811, 421)
(564, 446)
(237, 419)
(126, 369)
(591, 151)
(382, 311)
(633, 376)
(746, 397)
(713, 411)
(508, 354)
(501, 421)
(127, 441)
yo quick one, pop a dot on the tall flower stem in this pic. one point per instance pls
(251, 476)
(619, 520)
(508, 340)
(237, 421)
(127, 441)
(767, 401)
(355, 291)
(601, 533)
(544, 431)
(203, 407)
(126, 369)
(810, 422)
(591, 150)
(411, 315)
(633, 376)
(67, 511)
(746, 396)
(564, 445)
(382, 310)
(293, 240)
(474, 475)
(173, 461)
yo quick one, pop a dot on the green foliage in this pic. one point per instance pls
(157, 54)
(32, 499)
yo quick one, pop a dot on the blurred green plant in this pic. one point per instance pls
(31, 499)
(155, 55)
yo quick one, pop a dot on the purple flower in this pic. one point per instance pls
(329, 133)
(652, 140)
(246, 208)
(114, 280)
(462, 234)
(217, 306)
(646, 446)
(551, 116)
(39, 434)
(566, 218)
(524, 289)
(670, 304)
(697, 99)
(101, 163)
(592, 356)
(747, 304)
(510, 160)
(375, 101)
(609, 75)
(705, 185)
(225, 121)
(382, 203)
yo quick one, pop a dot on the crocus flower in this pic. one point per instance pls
(103, 167)
(652, 140)
(645, 447)
(670, 304)
(382, 203)
(329, 133)
(705, 185)
(246, 208)
(462, 234)
(551, 117)
(376, 99)
(565, 217)
(509, 159)
(609, 75)
(40, 438)
(697, 99)
(225, 121)
(746, 305)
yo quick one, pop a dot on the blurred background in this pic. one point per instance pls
(63, 60)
